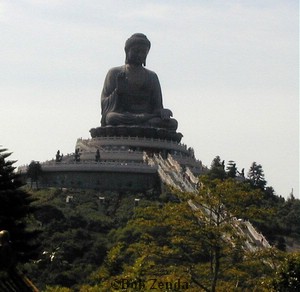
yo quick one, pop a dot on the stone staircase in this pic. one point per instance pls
(172, 174)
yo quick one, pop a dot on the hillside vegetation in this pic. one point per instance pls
(95, 241)
(84, 240)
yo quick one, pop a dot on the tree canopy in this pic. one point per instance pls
(15, 209)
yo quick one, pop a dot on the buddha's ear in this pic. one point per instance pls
(144, 63)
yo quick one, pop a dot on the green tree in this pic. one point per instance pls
(15, 209)
(231, 169)
(161, 241)
(194, 239)
(256, 176)
(34, 172)
(218, 205)
(217, 169)
(289, 217)
(288, 275)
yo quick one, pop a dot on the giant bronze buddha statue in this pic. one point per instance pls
(131, 95)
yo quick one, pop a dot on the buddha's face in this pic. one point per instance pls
(137, 54)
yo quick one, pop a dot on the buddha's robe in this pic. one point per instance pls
(140, 105)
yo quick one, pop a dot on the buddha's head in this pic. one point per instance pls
(136, 49)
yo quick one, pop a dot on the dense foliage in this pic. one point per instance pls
(279, 220)
(15, 211)
(75, 228)
(91, 244)
(288, 275)
(95, 241)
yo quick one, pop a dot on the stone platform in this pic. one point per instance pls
(133, 150)
(115, 164)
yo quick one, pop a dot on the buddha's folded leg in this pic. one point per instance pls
(116, 119)
(148, 120)
(169, 124)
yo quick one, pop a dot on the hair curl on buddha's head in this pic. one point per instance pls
(137, 38)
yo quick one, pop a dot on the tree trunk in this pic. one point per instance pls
(216, 268)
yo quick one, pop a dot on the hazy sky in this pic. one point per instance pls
(228, 71)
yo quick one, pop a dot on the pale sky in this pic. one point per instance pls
(228, 71)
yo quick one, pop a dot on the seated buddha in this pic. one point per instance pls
(131, 94)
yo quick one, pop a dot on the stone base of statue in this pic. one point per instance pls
(116, 163)
(129, 150)
(136, 131)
